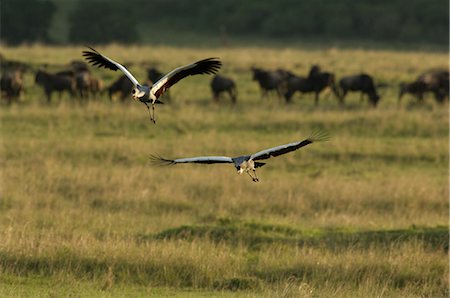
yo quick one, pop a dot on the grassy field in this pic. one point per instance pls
(84, 213)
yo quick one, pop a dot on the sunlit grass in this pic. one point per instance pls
(364, 214)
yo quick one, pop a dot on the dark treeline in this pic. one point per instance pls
(102, 21)
(26, 20)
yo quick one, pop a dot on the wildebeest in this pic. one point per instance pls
(11, 85)
(270, 80)
(78, 65)
(87, 84)
(95, 85)
(220, 84)
(83, 83)
(154, 74)
(55, 82)
(435, 81)
(123, 86)
(316, 82)
(297, 83)
(416, 88)
(13, 65)
(361, 82)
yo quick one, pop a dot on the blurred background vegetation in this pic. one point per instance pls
(407, 23)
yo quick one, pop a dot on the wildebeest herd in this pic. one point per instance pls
(78, 80)
(286, 84)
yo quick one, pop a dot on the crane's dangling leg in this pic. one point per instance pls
(148, 109)
(253, 178)
(153, 113)
(256, 177)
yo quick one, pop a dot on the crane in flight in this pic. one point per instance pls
(151, 94)
(246, 163)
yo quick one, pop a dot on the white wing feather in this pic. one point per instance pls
(156, 86)
(124, 70)
(204, 159)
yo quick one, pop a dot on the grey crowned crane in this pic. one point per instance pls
(151, 94)
(246, 163)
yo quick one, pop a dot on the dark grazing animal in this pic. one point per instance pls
(220, 84)
(87, 84)
(55, 82)
(83, 83)
(297, 83)
(361, 82)
(416, 88)
(13, 65)
(154, 74)
(11, 85)
(95, 85)
(436, 81)
(316, 82)
(78, 66)
(123, 86)
(270, 80)
(320, 80)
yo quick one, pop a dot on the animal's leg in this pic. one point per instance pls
(279, 94)
(230, 92)
(8, 99)
(316, 98)
(342, 98)
(420, 97)
(263, 93)
(216, 97)
(288, 95)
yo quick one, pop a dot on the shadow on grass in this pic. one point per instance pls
(253, 235)
(176, 272)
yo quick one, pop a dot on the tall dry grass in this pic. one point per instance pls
(364, 214)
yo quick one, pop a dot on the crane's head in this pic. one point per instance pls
(240, 170)
(245, 166)
(137, 94)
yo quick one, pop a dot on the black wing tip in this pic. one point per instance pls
(98, 60)
(319, 136)
(211, 65)
(92, 51)
(160, 161)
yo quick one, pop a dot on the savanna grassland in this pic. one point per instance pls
(83, 212)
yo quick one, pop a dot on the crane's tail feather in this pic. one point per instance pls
(160, 161)
(319, 135)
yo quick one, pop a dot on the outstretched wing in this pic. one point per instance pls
(317, 136)
(99, 60)
(199, 159)
(206, 66)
